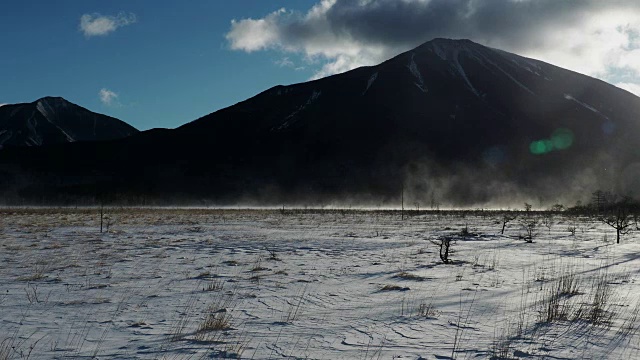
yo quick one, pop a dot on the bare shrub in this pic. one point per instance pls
(529, 226)
(444, 244)
(620, 218)
(506, 218)
(547, 221)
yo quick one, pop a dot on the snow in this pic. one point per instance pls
(587, 106)
(370, 82)
(438, 50)
(321, 285)
(290, 119)
(483, 56)
(43, 107)
(521, 85)
(413, 68)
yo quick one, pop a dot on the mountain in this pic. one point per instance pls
(450, 121)
(54, 120)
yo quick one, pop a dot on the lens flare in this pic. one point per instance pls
(561, 139)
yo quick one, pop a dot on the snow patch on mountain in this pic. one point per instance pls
(585, 105)
(48, 112)
(521, 62)
(5, 135)
(521, 85)
(290, 119)
(413, 68)
(458, 67)
(438, 51)
(370, 82)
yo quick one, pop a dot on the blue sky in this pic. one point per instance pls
(163, 63)
(170, 65)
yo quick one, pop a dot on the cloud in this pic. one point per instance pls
(101, 25)
(3, 104)
(108, 97)
(594, 37)
(285, 62)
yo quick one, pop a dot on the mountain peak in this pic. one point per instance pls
(53, 101)
(54, 120)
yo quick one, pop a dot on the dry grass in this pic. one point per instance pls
(391, 287)
(408, 276)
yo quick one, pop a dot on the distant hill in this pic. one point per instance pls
(450, 121)
(54, 120)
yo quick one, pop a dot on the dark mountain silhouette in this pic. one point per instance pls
(54, 120)
(450, 121)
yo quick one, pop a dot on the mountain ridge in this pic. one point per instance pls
(54, 120)
(451, 119)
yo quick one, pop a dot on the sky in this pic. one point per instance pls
(164, 63)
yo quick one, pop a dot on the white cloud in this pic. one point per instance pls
(101, 25)
(108, 97)
(3, 104)
(285, 62)
(594, 37)
(252, 35)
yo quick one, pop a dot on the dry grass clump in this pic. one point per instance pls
(214, 285)
(215, 320)
(39, 272)
(409, 276)
(6, 346)
(427, 310)
(295, 307)
(393, 287)
(562, 303)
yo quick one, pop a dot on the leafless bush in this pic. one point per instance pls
(444, 244)
(506, 218)
(547, 221)
(529, 226)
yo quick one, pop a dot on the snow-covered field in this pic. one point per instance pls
(259, 284)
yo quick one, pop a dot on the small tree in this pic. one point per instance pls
(506, 218)
(620, 218)
(527, 207)
(444, 243)
(529, 226)
(547, 221)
